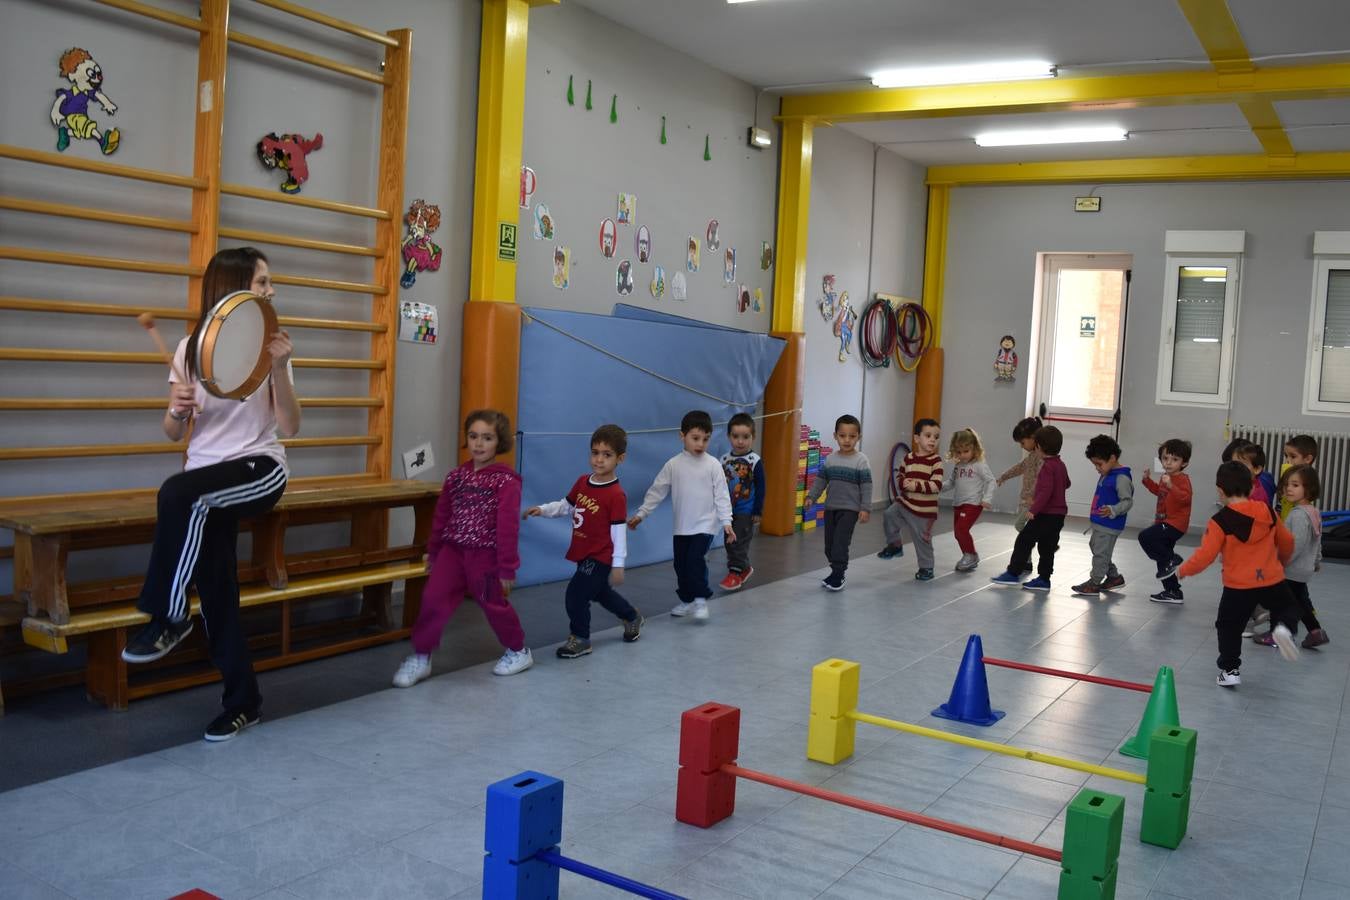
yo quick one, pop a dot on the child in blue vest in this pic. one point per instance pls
(1110, 503)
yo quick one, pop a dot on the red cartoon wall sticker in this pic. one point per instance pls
(287, 152)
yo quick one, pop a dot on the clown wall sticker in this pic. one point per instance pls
(1005, 361)
(844, 319)
(623, 278)
(419, 253)
(644, 244)
(713, 235)
(70, 112)
(609, 237)
(543, 223)
(287, 152)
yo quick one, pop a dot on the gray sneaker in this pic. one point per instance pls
(968, 562)
(574, 647)
(633, 630)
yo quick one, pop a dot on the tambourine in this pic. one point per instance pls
(232, 357)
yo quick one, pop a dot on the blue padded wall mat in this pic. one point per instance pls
(568, 388)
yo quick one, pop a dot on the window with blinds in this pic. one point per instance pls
(1195, 358)
(1326, 387)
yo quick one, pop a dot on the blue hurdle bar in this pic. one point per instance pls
(522, 834)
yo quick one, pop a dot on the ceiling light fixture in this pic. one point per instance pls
(918, 76)
(1083, 135)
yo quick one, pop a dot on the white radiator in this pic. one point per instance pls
(1333, 458)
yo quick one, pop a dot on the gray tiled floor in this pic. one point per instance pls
(382, 795)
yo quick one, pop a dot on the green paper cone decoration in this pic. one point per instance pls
(707, 155)
(588, 93)
(614, 109)
(663, 129)
(571, 100)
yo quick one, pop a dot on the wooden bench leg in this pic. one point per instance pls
(378, 599)
(106, 673)
(269, 549)
(412, 600)
(40, 574)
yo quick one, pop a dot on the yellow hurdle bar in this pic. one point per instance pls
(992, 747)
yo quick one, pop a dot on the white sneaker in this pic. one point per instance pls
(701, 610)
(415, 668)
(513, 662)
(1228, 678)
(682, 609)
(1284, 640)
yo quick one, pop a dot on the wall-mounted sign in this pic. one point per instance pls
(1087, 326)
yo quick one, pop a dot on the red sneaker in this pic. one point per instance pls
(732, 582)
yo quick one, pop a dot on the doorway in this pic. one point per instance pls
(1081, 350)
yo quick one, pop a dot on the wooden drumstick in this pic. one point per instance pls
(148, 323)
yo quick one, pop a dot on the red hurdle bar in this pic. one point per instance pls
(1064, 673)
(989, 837)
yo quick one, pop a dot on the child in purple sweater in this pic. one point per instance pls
(1045, 516)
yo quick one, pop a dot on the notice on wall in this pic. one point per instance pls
(1087, 326)
(417, 322)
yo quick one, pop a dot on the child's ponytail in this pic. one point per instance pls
(1026, 428)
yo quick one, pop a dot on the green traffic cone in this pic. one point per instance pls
(1161, 711)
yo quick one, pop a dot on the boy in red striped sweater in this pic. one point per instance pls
(920, 481)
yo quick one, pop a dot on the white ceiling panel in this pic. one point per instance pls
(1292, 26)
(791, 42)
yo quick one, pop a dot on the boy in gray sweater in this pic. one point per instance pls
(848, 477)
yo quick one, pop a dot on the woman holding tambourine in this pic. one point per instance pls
(236, 468)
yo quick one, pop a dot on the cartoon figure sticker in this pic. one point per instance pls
(742, 299)
(828, 297)
(658, 285)
(528, 182)
(714, 241)
(644, 244)
(417, 322)
(627, 209)
(419, 253)
(543, 223)
(765, 255)
(758, 305)
(609, 236)
(678, 289)
(288, 152)
(729, 266)
(844, 320)
(562, 267)
(691, 256)
(623, 278)
(1005, 361)
(70, 112)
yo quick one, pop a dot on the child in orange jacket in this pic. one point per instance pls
(1254, 544)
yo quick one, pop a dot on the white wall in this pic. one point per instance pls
(995, 234)
(857, 216)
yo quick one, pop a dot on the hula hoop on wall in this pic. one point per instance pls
(914, 335)
(892, 483)
(878, 333)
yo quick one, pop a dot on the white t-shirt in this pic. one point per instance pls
(231, 429)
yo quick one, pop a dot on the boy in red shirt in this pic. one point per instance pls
(1254, 544)
(1045, 516)
(599, 545)
(1172, 518)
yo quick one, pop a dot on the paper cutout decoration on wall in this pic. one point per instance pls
(844, 319)
(588, 93)
(691, 255)
(417, 322)
(765, 255)
(679, 288)
(287, 152)
(527, 185)
(658, 285)
(711, 235)
(707, 155)
(623, 278)
(609, 237)
(543, 223)
(663, 129)
(1005, 361)
(613, 109)
(419, 253)
(644, 244)
(627, 209)
(759, 300)
(562, 267)
(828, 297)
(729, 266)
(742, 299)
(70, 112)
(571, 100)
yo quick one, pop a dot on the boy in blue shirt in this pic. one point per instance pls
(1110, 502)
(745, 480)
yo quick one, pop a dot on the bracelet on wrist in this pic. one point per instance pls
(177, 418)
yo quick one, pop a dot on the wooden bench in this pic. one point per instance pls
(48, 529)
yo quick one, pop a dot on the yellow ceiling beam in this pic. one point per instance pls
(1267, 127)
(1311, 82)
(1258, 167)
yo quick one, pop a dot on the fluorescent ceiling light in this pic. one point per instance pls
(1214, 278)
(1050, 136)
(1205, 340)
(916, 76)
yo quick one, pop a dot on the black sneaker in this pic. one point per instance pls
(633, 630)
(1167, 596)
(228, 724)
(833, 582)
(574, 647)
(1170, 568)
(1113, 582)
(156, 640)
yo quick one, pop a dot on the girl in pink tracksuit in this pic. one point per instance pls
(472, 549)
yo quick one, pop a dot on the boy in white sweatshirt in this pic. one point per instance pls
(698, 490)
